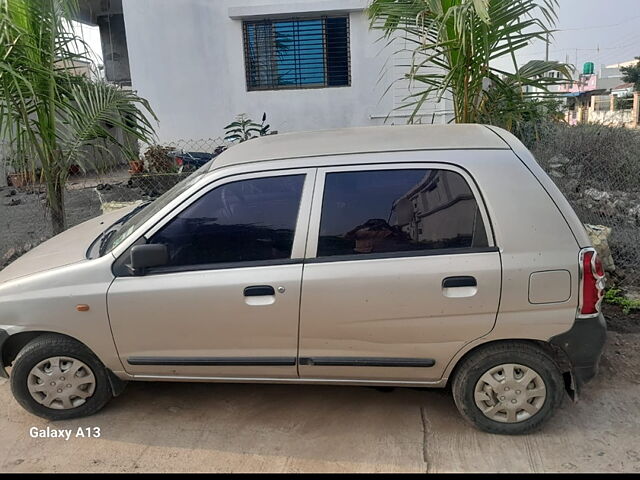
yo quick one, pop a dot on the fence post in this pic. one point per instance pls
(591, 109)
(612, 102)
(635, 111)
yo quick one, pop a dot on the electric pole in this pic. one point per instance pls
(547, 54)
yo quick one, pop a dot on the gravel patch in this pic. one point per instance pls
(24, 220)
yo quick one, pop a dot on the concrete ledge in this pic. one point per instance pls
(297, 8)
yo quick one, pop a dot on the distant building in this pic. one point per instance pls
(528, 89)
(591, 97)
(610, 76)
(623, 90)
(80, 67)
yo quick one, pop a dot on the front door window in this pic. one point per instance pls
(245, 221)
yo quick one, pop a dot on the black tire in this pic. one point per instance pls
(479, 362)
(44, 347)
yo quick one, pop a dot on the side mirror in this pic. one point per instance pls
(147, 256)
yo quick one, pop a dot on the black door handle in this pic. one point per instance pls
(259, 291)
(455, 282)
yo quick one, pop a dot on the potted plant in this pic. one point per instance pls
(159, 161)
(136, 166)
(20, 177)
(243, 129)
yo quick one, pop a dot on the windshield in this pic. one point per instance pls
(120, 231)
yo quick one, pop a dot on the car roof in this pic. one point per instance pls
(361, 140)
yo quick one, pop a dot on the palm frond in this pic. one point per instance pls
(95, 105)
(458, 41)
(47, 112)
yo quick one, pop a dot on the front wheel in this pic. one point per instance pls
(58, 378)
(508, 388)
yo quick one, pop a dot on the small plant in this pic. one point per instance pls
(22, 174)
(18, 163)
(614, 296)
(244, 129)
(624, 102)
(158, 159)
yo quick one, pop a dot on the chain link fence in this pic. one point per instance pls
(24, 220)
(596, 167)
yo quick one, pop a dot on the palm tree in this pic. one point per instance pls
(49, 113)
(456, 43)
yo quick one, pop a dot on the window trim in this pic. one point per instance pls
(299, 239)
(311, 255)
(210, 267)
(311, 86)
(402, 254)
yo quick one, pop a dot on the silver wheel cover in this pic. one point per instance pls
(61, 383)
(510, 393)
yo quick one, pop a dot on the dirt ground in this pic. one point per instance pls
(23, 216)
(155, 427)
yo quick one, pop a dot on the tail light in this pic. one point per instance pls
(592, 282)
(179, 161)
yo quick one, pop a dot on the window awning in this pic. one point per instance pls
(297, 8)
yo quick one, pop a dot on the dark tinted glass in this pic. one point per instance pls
(397, 211)
(250, 220)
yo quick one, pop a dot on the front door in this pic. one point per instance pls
(401, 273)
(227, 304)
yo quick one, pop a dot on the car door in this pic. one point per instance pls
(227, 302)
(401, 272)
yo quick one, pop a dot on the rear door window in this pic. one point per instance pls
(387, 211)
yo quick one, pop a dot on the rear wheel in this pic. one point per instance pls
(508, 388)
(58, 378)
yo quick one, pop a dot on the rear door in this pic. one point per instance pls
(401, 272)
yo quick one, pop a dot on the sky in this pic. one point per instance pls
(604, 32)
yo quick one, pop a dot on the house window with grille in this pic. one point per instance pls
(297, 53)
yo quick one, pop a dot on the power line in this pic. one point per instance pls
(597, 49)
(597, 26)
(634, 38)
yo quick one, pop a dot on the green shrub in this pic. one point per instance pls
(614, 296)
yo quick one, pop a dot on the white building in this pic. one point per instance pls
(309, 64)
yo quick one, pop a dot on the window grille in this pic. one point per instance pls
(297, 53)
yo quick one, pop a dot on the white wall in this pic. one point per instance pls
(616, 117)
(187, 59)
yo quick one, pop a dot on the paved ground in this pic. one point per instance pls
(272, 428)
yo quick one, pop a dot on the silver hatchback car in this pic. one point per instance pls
(387, 256)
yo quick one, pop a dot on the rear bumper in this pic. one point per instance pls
(3, 338)
(583, 346)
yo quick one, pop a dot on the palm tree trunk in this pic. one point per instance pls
(55, 200)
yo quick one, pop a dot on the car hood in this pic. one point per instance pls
(64, 249)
